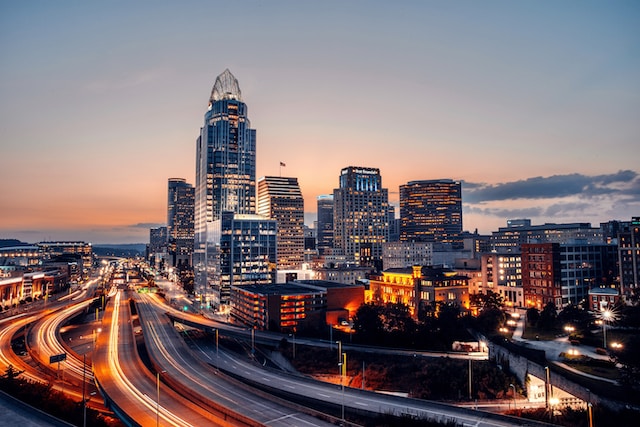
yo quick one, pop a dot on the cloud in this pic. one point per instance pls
(504, 212)
(621, 183)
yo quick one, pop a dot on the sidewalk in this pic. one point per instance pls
(559, 345)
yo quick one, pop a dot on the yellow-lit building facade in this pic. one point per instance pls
(418, 286)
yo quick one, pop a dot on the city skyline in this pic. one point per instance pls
(532, 106)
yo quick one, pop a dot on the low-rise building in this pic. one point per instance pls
(294, 306)
(420, 288)
(603, 298)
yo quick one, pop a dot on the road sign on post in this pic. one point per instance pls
(57, 358)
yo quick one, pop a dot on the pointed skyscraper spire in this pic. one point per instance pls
(226, 87)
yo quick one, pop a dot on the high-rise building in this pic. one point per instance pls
(225, 173)
(520, 231)
(361, 213)
(563, 273)
(431, 211)
(180, 221)
(541, 275)
(247, 252)
(325, 223)
(629, 257)
(585, 266)
(280, 199)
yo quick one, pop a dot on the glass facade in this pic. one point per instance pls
(225, 172)
(431, 211)
(180, 205)
(247, 253)
(280, 199)
(360, 215)
(325, 224)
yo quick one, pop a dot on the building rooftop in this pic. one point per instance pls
(604, 291)
(277, 289)
(325, 284)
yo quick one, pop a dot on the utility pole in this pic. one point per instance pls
(470, 374)
(84, 400)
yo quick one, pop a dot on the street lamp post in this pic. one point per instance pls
(514, 395)
(470, 382)
(606, 315)
(547, 386)
(339, 356)
(84, 400)
(158, 397)
(294, 344)
(253, 341)
(343, 372)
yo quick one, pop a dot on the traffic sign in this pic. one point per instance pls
(57, 358)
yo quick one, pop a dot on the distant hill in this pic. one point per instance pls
(123, 250)
(4, 243)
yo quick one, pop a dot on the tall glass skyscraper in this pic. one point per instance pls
(361, 215)
(180, 221)
(280, 198)
(325, 224)
(431, 211)
(225, 172)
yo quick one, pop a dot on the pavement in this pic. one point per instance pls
(555, 347)
(16, 413)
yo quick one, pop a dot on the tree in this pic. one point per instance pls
(533, 315)
(490, 300)
(368, 323)
(489, 320)
(548, 317)
(629, 357)
(575, 316)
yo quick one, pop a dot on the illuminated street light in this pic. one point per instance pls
(343, 373)
(554, 401)
(606, 315)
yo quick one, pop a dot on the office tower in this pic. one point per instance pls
(157, 239)
(85, 250)
(394, 225)
(563, 273)
(431, 211)
(629, 257)
(280, 199)
(247, 252)
(541, 276)
(518, 232)
(180, 222)
(502, 273)
(325, 223)
(360, 215)
(585, 266)
(225, 173)
(406, 254)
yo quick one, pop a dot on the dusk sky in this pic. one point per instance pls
(533, 105)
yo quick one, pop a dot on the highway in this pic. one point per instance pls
(135, 395)
(201, 380)
(353, 399)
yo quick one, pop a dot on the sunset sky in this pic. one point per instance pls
(533, 105)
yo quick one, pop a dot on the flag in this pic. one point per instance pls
(282, 164)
